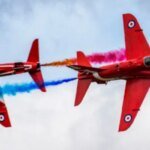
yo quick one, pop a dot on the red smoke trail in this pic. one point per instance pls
(112, 56)
(98, 58)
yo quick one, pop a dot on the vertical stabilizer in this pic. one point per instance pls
(34, 52)
(83, 84)
(36, 74)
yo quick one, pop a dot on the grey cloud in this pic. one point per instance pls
(49, 120)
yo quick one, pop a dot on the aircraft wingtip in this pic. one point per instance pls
(43, 90)
(76, 104)
(123, 128)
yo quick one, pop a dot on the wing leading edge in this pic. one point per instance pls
(135, 93)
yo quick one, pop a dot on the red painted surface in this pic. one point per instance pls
(4, 118)
(32, 66)
(135, 70)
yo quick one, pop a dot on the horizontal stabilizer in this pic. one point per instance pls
(82, 87)
(37, 77)
(36, 74)
(83, 84)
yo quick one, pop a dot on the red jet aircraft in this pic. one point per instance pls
(135, 70)
(32, 66)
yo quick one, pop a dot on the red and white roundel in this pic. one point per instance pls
(128, 118)
(2, 117)
(131, 24)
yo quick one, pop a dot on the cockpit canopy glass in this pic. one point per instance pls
(147, 61)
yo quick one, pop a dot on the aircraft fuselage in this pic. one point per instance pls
(135, 68)
(18, 67)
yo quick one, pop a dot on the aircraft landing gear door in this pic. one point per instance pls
(147, 61)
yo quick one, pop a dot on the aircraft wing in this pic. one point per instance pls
(4, 117)
(135, 92)
(135, 41)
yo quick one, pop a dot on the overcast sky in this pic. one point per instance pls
(49, 120)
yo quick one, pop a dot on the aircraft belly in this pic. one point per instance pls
(97, 76)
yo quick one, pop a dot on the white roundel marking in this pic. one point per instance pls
(131, 24)
(128, 118)
(2, 118)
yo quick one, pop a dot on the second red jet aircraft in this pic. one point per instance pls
(32, 66)
(135, 70)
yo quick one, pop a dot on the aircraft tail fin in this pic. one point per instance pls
(38, 79)
(83, 84)
(36, 74)
(34, 52)
(82, 59)
(82, 87)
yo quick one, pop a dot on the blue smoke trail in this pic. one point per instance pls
(13, 89)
